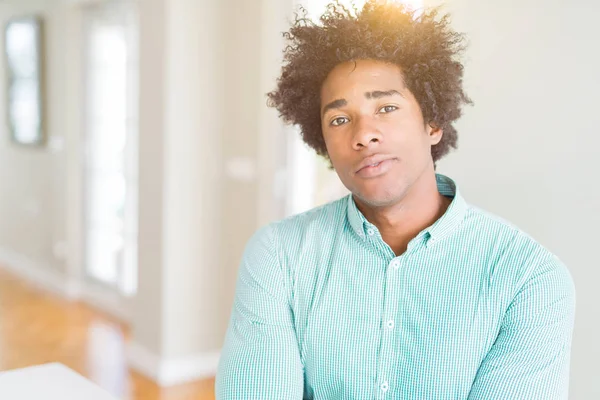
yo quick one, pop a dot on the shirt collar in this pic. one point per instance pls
(441, 228)
(356, 218)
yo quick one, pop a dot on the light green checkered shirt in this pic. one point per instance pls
(474, 309)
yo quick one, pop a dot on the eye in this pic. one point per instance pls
(387, 109)
(339, 121)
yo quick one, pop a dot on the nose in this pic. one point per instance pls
(366, 134)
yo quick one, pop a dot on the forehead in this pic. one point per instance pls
(355, 77)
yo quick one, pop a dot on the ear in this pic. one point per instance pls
(435, 133)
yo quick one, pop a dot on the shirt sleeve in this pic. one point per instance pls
(531, 355)
(260, 357)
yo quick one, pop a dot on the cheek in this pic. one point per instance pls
(412, 140)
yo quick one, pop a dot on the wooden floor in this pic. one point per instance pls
(37, 327)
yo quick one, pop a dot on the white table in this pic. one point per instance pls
(48, 382)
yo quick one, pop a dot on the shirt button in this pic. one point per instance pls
(390, 324)
(370, 232)
(385, 386)
(396, 264)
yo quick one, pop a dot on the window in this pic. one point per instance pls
(111, 178)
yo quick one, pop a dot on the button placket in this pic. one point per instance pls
(388, 327)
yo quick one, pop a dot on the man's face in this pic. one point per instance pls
(374, 131)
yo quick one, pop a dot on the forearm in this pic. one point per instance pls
(259, 362)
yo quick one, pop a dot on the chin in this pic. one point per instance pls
(379, 192)
(378, 198)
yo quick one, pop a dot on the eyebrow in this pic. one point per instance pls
(376, 94)
(335, 104)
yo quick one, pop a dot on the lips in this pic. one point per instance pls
(374, 166)
(372, 161)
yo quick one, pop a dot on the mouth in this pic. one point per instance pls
(374, 165)
(375, 169)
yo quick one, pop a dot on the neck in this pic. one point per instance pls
(399, 223)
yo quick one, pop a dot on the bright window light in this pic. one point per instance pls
(316, 8)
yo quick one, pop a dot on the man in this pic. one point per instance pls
(402, 290)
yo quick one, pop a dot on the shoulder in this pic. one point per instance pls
(513, 253)
(298, 227)
(318, 219)
(491, 229)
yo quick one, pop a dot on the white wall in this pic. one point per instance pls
(176, 311)
(204, 76)
(528, 149)
(148, 316)
(241, 108)
(32, 180)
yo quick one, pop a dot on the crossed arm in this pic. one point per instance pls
(528, 361)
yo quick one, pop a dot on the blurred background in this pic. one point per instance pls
(137, 157)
